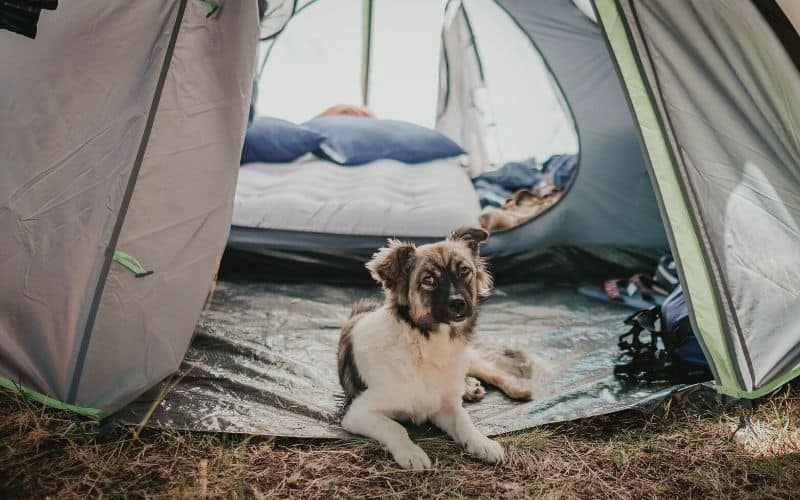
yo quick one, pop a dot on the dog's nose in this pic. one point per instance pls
(457, 305)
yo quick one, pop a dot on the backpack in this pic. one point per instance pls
(661, 346)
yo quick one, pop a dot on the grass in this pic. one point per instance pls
(45, 452)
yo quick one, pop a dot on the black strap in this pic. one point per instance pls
(639, 322)
(646, 361)
(677, 336)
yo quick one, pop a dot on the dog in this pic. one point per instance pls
(409, 358)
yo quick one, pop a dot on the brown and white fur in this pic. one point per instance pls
(407, 359)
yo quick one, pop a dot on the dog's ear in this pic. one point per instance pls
(390, 265)
(472, 236)
(485, 281)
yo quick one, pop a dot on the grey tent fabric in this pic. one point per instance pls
(463, 108)
(181, 208)
(74, 104)
(732, 98)
(275, 15)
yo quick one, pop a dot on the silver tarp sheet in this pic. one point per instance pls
(263, 361)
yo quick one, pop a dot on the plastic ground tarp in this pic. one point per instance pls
(263, 361)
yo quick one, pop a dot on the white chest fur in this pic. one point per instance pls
(415, 376)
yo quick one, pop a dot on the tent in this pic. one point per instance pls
(484, 99)
(121, 129)
(120, 139)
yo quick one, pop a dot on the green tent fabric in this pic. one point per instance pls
(717, 99)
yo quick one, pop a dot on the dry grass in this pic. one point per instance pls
(46, 452)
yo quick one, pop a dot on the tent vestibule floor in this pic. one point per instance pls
(263, 361)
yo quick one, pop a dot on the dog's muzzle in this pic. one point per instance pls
(457, 308)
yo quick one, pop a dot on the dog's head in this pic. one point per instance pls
(437, 283)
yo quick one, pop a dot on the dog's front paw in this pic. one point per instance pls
(486, 450)
(412, 457)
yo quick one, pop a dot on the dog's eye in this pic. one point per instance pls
(428, 281)
(464, 271)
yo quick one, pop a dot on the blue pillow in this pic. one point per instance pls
(272, 140)
(353, 140)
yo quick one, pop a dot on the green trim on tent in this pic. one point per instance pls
(51, 402)
(695, 273)
(763, 390)
(210, 6)
(131, 264)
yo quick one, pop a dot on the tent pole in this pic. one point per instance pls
(366, 49)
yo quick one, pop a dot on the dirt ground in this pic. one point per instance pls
(45, 452)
